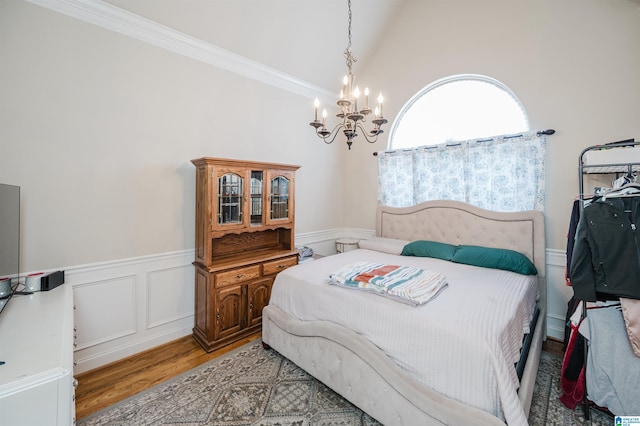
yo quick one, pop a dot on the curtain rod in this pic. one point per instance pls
(547, 132)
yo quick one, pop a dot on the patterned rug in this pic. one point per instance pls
(546, 408)
(253, 386)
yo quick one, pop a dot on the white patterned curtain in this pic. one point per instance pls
(505, 173)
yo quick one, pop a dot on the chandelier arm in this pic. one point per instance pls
(332, 135)
(366, 136)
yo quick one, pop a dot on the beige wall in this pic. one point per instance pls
(573, 63)
(99, 129)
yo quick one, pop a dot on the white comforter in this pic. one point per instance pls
(464, 343)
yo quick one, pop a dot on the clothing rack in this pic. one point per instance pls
(605, 168)
(547, 132)
(608, 167)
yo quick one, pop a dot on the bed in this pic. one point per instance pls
(393, 360)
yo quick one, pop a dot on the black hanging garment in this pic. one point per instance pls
(606, 252)
(571, 237)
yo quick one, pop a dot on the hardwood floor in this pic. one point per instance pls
(553, 346)
(112, 383)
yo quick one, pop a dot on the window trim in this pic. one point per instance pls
(447, 80)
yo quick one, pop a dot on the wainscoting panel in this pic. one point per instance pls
(170, 295)
(558, 293)
(126, 306)
(107, 309)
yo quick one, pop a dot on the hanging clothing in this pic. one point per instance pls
(631, 315)
(572, 378)
(571, 237)
(612, 370)
(606, 252)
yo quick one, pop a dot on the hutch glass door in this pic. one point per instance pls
(230, 196)
(279, 198)
(256, 198)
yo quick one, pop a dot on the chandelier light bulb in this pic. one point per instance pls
(356, 95)
(316, 104)
(345, 87)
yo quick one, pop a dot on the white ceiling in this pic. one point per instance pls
(303, 38)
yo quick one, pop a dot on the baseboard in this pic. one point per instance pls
(88, 363)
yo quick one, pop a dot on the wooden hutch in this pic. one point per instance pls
(244, 237)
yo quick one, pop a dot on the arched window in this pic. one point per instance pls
(457, 108)
(464, 138)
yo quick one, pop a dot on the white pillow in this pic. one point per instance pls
(385, 245)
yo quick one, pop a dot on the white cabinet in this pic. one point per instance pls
(36, 345)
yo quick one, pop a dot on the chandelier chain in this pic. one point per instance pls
(347, 52)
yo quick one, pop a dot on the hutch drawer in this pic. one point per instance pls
(276, 266)
(236, 276)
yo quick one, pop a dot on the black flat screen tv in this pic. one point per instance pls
(9, 235)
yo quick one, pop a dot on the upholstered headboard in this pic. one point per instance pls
(457, 223)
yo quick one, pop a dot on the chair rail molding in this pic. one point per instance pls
(113, 18)
(125, 306)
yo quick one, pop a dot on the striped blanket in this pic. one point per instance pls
(407, 284)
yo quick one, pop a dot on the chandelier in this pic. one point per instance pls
(351, 120)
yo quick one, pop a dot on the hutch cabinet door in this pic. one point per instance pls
(280, 192)
(258, 294)
(229, 197)
(229, 318)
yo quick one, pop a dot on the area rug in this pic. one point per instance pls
(254, 386)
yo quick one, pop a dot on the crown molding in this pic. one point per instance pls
(113, 18)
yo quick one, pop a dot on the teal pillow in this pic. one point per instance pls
(422, 248)
(508, 260)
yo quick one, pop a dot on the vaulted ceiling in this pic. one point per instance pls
(303, 38)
